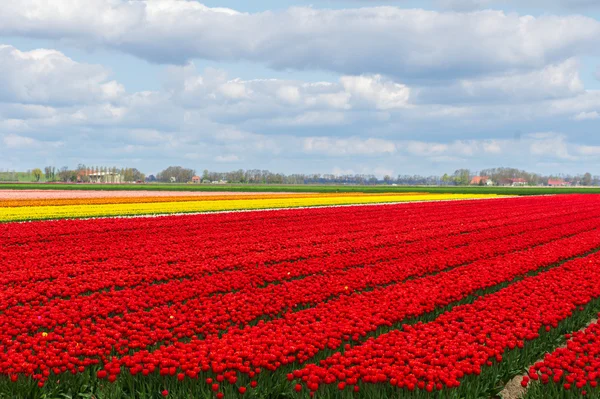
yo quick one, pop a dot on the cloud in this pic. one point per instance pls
(404, 43)
(469, 5)
(583, 116)
(349, 146)
(227, 158)
(464, 5)
(550, 145)
(283, 102)
(376, 91)
(16, 142)
(589, 150)
(49, 77)
(551, 82)
(456, 148)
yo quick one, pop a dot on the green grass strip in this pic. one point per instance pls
(304, 188)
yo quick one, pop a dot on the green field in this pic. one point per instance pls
(305, 188)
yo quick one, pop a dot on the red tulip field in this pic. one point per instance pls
(431, 299)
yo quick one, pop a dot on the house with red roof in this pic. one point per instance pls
(518, 182)
(557, 183)
(481, 180)
(513, 181)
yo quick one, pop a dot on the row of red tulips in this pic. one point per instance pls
(572, 370)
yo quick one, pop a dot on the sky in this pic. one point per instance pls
(336, 86)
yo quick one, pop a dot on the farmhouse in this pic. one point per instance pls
(557, 183)
(481, 180)
(104, 177)
(519, 182)
(196, 179)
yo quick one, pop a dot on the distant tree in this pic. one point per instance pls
(587, 179)
(64, 174)
(446, 179)
(37, 174)
(180, 174)
(462, 177)
(131, 175)
(48, 173)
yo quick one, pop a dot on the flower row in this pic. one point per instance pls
(575, 366)
(181, 197)
(9, 214)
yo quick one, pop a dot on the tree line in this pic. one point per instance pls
(80, 174)
(499, 176)
(179, 174)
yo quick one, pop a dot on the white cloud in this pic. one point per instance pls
(289, 94)
(582, 116)
(349, 146)
(234, 90)
(376, 91)
(14, 141)
(283, 102)
(589, 150)
(391, 41)
(462, 148)
(49, 77)
(227, 158)
(551, 82)
(468, 5)
(550, 145)
(17, 142)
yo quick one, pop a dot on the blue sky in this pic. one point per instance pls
(362, 86)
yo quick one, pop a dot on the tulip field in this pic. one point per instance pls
(401, 296)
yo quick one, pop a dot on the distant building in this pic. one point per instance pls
(518, 181)
(481, 180)
(196, 179)
(557, 183)
(105, 177)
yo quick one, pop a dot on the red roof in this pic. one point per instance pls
(478, 179)
(519, 180)
(556, 182)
